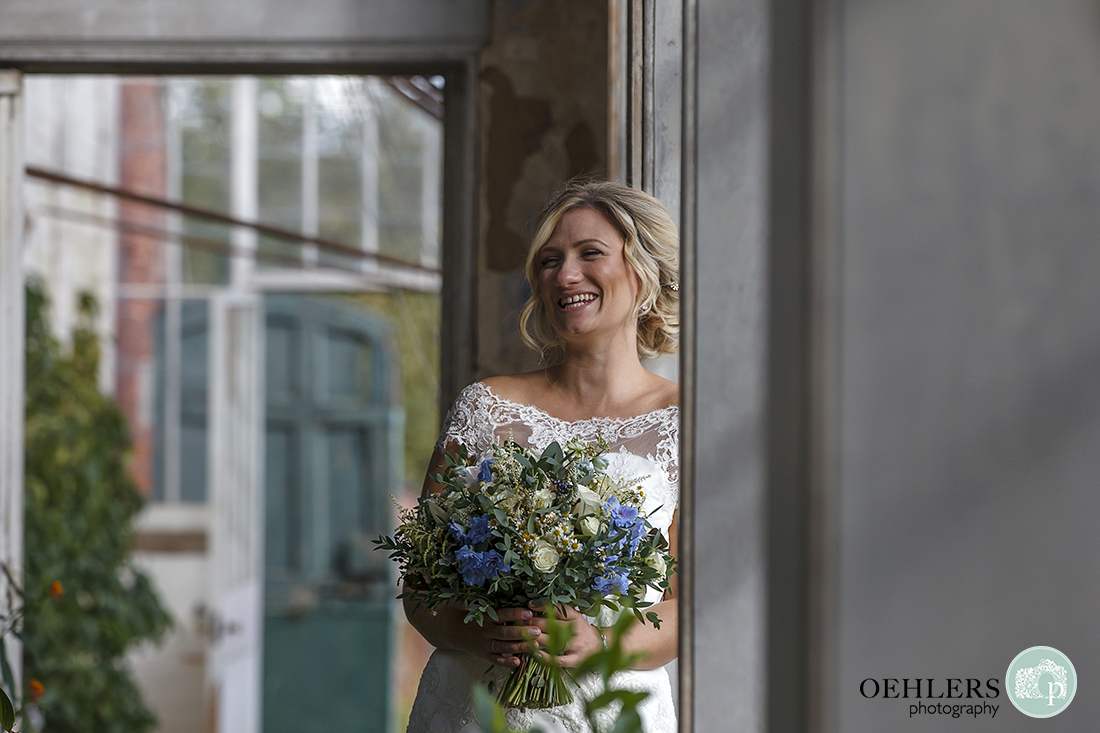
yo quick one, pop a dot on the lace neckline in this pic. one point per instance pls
(480, 417)
(657, 415)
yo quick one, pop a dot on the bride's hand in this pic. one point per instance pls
(584, 641)
(502, 641)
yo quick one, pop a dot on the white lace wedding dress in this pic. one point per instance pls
(647, 444)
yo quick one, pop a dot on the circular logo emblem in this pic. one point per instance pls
(1041, 682)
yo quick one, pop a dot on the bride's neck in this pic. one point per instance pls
(598, 378)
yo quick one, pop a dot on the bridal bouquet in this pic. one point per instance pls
(562, 528)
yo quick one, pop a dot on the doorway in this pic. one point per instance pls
(344, 175)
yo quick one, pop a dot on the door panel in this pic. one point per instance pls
(331, 432)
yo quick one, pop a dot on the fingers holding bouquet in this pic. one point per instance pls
(572, 642)
(511, 635)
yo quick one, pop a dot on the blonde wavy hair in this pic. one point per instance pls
(651, 248)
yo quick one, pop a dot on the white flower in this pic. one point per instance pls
(542, 499)
(506, 499)
(469, 476)
(604, 488)
(656, 560)
(544, 557)
(590, 502)
(590, 525)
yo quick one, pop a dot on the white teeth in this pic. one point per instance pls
(575, 299)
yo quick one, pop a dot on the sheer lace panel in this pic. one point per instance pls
(480, 419)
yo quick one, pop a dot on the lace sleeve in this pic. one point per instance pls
(468, 422)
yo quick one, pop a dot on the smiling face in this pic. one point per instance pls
(584, 281)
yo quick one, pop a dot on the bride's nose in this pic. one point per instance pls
(570, 272)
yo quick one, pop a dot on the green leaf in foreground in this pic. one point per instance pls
(489, 713)
(7, 712)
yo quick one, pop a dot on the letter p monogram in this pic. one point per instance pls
(1051, 694)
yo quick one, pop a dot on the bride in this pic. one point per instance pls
(603, 270)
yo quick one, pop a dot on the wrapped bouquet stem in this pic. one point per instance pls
(516, 526)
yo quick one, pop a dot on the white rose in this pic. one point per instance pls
(544, 557)
(505, 499)
(590, 526)
(589, 501)
(656, 561)
(542, 499)
(469, 476)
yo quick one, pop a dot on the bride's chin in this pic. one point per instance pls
(590, 339)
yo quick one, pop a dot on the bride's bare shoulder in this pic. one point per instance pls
(522, 388)
(665, 393)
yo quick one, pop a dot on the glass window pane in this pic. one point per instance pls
(343, 113)
(280, 105)
(204, 109)
(400, 167)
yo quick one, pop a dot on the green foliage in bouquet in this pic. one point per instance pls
(554, 528)
(79, 505)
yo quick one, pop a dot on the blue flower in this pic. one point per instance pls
(613, 580)
(621, 516)
(477, 567)
(637, 532)
(457, 532)
(485, 475)
(479, 529)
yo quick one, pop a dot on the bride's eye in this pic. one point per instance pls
(592, 253)
(548, 261)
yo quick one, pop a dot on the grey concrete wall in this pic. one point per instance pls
(968, 344)
(724, 223)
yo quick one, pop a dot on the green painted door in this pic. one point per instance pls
(333, 448)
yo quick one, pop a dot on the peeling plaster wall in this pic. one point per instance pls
(543, 95)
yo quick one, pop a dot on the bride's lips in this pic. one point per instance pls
(573, 301)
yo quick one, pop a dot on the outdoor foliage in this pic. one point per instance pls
(79, 505)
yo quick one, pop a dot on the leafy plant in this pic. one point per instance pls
(79, 505)
(11, 624)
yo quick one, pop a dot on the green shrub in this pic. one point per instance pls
(80, 501)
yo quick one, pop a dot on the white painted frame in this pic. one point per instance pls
(12, 324)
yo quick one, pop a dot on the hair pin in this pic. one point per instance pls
(674, 287)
